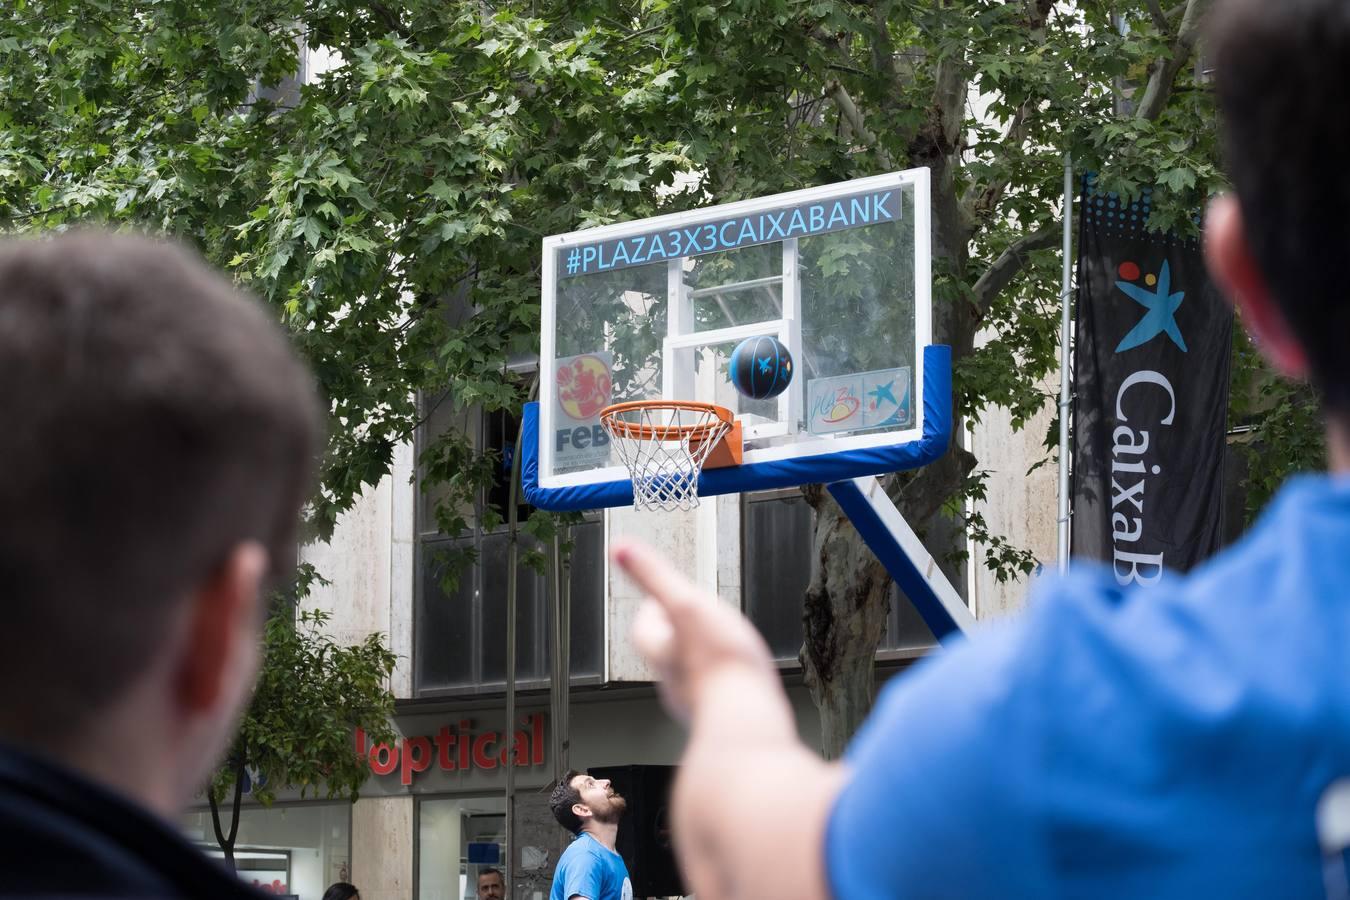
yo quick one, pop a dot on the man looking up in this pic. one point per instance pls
(159, 437)
(590, 868)
(1111, 743)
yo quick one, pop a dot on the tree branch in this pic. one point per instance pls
(849, 110)
(215, 818)
(883, 57)
(1011, 261)
(1159, 17)
(238, 799)
(981, 201)
(949, 99)
(1163, 73)
(921, 496)
(390, 19)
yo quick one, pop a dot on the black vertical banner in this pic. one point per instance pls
(1152, 352)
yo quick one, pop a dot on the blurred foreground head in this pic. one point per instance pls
(157, 437)
(1282, 73)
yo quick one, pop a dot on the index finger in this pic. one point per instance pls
(655, 575)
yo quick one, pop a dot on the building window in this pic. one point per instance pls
(777, 555)
(460, 631)
(292, 850)
(456, 840)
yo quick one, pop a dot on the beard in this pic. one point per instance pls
(613, 811)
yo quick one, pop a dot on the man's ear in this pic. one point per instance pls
(581, 811)
(222, 639)
(1234, 268)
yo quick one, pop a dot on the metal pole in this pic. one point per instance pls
(557, 695)
(565, 654)
(1065, 376)
(512, 562)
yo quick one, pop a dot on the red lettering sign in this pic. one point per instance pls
(458, 748)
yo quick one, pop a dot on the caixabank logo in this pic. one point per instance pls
(1155, 296)
(1151, 375)
(1145, 401)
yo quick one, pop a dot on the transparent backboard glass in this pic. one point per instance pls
(652, 310)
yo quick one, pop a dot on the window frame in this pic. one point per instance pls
(888, 657)
(426, 538)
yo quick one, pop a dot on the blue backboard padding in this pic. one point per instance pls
(882, 543)
(821, 468)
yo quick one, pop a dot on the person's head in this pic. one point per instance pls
(491, 885)
(341, 890)
(578, 799)
(1282, 75)
(159, 438)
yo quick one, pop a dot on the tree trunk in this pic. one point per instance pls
(845, 619)
(848, 601)
(226, 841)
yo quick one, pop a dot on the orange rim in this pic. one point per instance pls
(638, 432)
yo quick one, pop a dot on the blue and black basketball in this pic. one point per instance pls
(761, 367)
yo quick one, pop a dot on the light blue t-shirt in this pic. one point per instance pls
(1165, 742)
(587, 868)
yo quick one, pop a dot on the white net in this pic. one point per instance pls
(664, 447)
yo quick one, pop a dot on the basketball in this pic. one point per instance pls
(761, 367)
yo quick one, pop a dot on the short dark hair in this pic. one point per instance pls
(341, 890)
(154, 418)
(1282, 75)
(563, 798)
(490, 870)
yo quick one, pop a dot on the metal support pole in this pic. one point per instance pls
(1065, 376)
(557, 687)
(512, 561)
(565, 656)
(512, 587)
(916, 572)
(560, 691)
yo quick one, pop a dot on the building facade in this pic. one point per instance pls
(433, 812)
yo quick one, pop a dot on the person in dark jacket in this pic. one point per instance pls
(158, 440)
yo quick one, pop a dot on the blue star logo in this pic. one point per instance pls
(883, 392)
(1161, 316)
(764, 365)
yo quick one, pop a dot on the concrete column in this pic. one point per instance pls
(356, 562)
(402, 576)
(382, 847)
(370, 562)
(1019, 504)
(704, 543)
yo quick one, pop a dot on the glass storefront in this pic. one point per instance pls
(457, 839)
(290, 851)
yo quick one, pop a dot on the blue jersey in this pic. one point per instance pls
(1164, 742)
(589, 869)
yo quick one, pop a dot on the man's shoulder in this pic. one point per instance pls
(587, 853)
(581, 849)
(106, 846)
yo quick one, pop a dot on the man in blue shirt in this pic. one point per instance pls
(590, 868)
(1180, 741)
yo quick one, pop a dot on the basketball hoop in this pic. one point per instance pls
(665, 445)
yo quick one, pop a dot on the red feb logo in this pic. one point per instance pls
(584, 387)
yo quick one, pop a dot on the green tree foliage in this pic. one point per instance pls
(311, 696)
(391, 209)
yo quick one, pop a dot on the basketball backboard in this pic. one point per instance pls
(652, 309)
